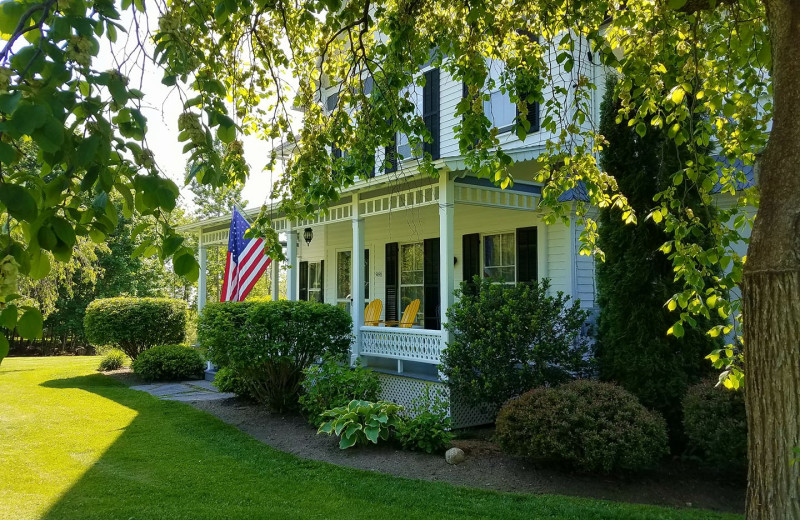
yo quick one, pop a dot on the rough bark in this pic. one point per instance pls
(771, 290)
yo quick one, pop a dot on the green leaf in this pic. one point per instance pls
(8, 318)
(18, 201)
(7, 153)
(372, 434)
(29, 325)
(185, 264)
(63, 230)
(3, 347)
(87, 150)
(347, 442)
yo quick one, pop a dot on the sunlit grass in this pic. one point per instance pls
(76, 444)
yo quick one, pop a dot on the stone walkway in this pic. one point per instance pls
(184, 391)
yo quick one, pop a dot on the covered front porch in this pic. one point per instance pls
(415, 239)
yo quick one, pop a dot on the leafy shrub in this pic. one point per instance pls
(135, 324)
(588, 425)
(269, 344)
(169, 363)
(226, 380)
(427, 426)
(360, 422)
(332, 384)
(114, 359)
(715, 423)
(506, 340)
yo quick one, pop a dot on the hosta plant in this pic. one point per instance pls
(362, 421)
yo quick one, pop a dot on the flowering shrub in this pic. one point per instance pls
(588, 425)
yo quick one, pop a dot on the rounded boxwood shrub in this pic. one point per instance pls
(135, 324)
(332, 384)
(169, 363)
(269, 344)
(113, 359)
(226, 380)
(715, 423)
(588, 425)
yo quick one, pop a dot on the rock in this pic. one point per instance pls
(454, 456)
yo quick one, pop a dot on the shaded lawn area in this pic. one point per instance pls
(77, 444)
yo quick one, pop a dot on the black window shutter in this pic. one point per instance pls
(321, 281)
(366, 275)
(527, 255)
(430, 274)
(392, 280)
(533, 108)
(430, 111)
(470, 256)
(303, 281)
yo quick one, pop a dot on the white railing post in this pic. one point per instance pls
(292, 268)
(357, 286)
(201, 280)
(446, 251)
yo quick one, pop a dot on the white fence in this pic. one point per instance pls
(421, 345)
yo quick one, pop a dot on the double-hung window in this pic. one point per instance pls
(412, 282)
(499, 257)
(498, 108)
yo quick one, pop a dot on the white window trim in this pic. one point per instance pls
(400, 284)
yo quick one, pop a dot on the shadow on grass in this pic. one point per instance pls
(173, 461)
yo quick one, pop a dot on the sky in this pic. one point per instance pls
(162, 106)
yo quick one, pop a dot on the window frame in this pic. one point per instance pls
(513, 234)
(420, 317)
(497, 89)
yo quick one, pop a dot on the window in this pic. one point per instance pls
(343, 279)
(499, 257)
(413, 93)
(498, 108)
(315, 282)
(412, 287)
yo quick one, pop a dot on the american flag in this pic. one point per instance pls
(246, 261)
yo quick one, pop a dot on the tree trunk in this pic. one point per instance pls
(771, 290)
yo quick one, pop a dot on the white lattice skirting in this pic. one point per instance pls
(405, 390)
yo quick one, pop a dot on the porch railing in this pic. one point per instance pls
(421, 345)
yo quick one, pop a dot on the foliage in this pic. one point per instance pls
(113, 359)
(226, 380)
(591, 426)
(169, 363)
(332, 384)
(508, 339)
(716, 424)
(636, 278)
(427, 426)
(360, 422)
(135, 324)
(269, 344)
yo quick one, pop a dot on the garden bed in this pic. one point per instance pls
(674, 484)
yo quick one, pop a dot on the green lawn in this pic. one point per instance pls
(77, 444)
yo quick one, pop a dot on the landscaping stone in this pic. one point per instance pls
(184, 391)
(454, 456)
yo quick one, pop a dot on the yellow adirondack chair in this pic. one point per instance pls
(372, 313)
(408, 318)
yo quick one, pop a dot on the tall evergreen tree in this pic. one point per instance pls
(637, 279)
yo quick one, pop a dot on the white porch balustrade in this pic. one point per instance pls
(421, 345)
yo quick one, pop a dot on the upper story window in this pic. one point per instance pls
(426, 101)
(498, 108)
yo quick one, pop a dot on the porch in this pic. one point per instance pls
(415, 240)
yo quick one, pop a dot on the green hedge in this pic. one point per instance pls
(715, 423)
(135, 324)
(169, 363)
(588, 425)
(269, 344)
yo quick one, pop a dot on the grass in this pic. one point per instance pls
(77, 444)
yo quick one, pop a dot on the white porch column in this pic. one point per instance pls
(358, 277)
(292, 269)
(446, 249)
(201, 280)
(275, 273)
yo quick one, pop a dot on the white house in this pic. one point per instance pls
(401, 235)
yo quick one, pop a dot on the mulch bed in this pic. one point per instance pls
(675, 483)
